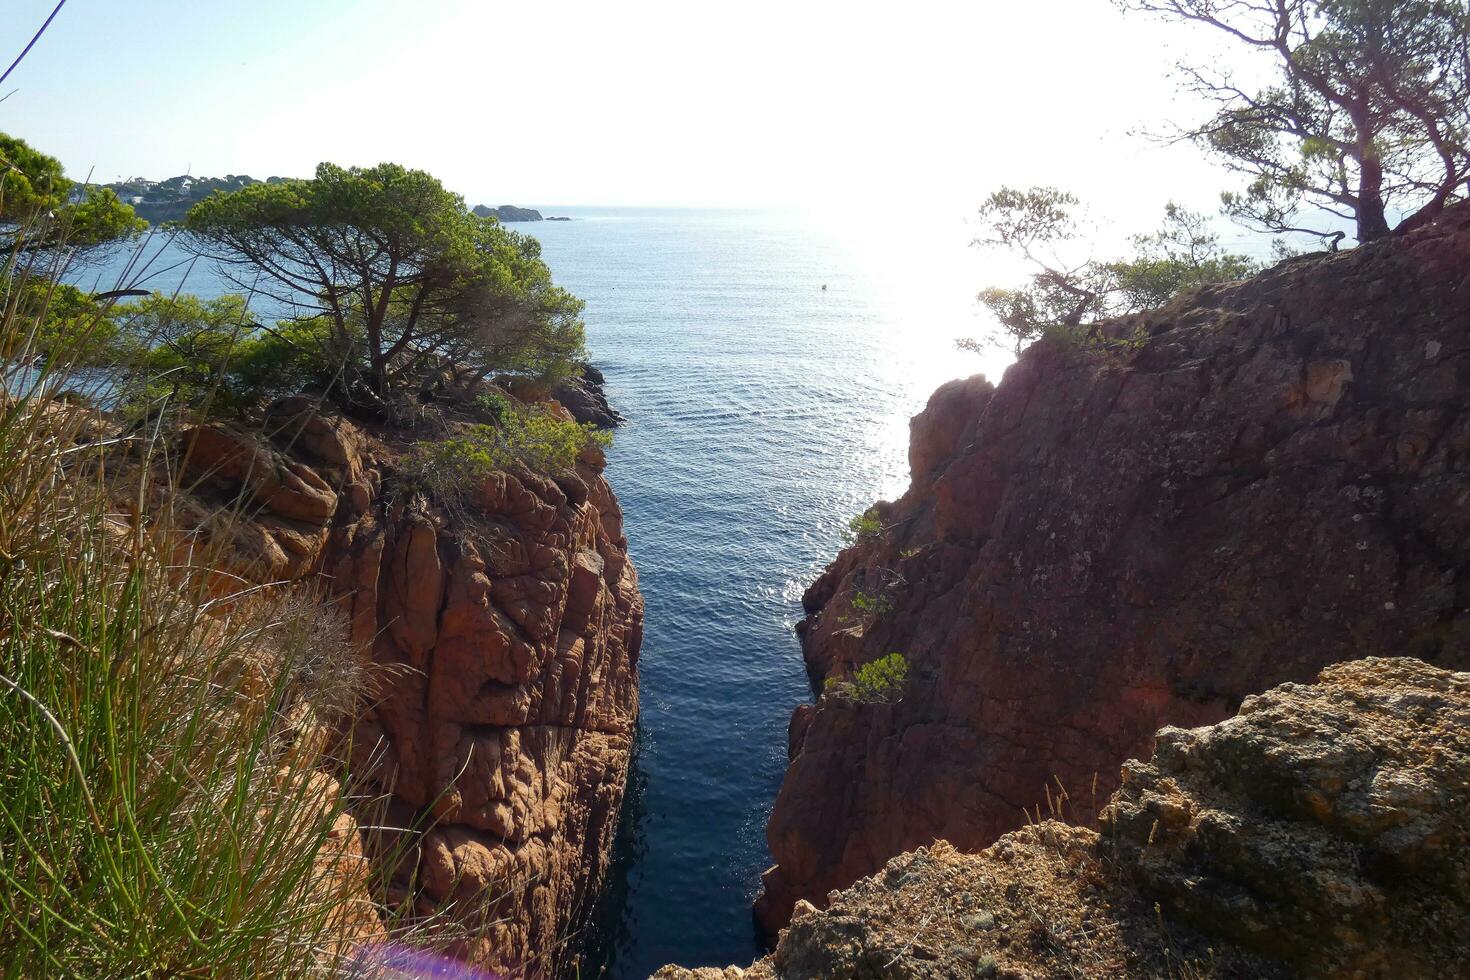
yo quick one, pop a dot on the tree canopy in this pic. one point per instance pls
(1366, 121)
(407, 284)
(1064, 295)
(42, 210)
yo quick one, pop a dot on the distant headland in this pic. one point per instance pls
(169, 200)
(157, 201)
(509, 212)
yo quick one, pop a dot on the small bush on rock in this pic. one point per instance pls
(871, 605)
(881, 681)
(526, 436)
(495, 406)
(863, 527)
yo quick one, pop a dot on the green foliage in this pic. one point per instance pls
(863, 527)
(39, 211)
(1185, 253)
(1062, 301)
(528, 436)
(495, 406)
(880, 681)
(410, 284)
(1365, 117)
(50, 316)
(210, 355)
(871, 604)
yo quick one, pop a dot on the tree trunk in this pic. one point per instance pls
(375, 357)
(1372, 221)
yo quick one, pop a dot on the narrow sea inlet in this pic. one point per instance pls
(764, 411)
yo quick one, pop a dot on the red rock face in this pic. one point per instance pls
(506, 640)
(1277, 480)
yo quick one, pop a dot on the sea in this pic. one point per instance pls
(768, 363)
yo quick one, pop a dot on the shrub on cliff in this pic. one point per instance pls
(863, 527)
(407, 283)
(879, 681)
(529, 436)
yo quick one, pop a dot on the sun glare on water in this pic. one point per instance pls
(920, 276)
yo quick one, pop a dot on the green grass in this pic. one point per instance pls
(171, 795)
(163, 804)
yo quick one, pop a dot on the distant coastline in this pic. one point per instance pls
(507, 213)
(157, 201)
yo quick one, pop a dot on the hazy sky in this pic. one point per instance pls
(921, 105)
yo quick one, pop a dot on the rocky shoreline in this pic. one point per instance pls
(584, 396)
(1099, 546)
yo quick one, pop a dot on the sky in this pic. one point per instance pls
(797, 103)
(888, 122)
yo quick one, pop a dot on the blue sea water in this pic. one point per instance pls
(764, 412)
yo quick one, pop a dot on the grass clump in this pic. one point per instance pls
(881, 681)
(165, 808)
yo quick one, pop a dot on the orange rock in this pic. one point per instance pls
(506, 644)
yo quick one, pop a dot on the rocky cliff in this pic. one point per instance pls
(504, 638)
(1277, 478)
(1322, 832)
